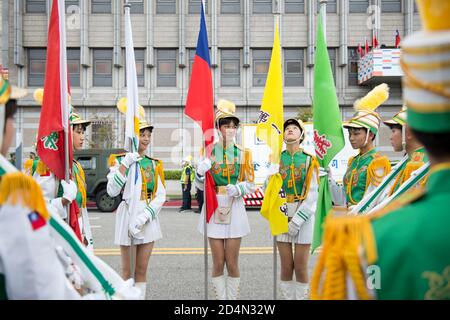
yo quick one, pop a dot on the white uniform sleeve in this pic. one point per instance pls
(116, 181)
(199, 181)
(308, 206)
(49, 185)
(155, 206)
(32, 269)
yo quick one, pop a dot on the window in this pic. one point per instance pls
(36, 6)
(293, 68)
(262, 6)
(391, 6)
(139, 59)
(332, 55)
(88, 163)
(165, 6)
(358, 6)
(294, 6)
(194, 6)
(36, 67)
(102, 134)
(72, 6)
(101, 6)
(230, 68)
(137, 6)
(353, 66)
(103, 67)
(73, 66)
(166, 67)
(230, 6)
(261, 61)
(191, 61)
(331, 6)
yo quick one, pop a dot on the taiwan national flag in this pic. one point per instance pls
(200, 106)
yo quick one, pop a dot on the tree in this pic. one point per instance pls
(305, 114)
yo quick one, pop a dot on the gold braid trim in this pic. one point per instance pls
(314, 166)
(375, 164)
(344, 237)
(18, 188)
(410, 168)
(159, 174)
(247, 171)
(81, 183)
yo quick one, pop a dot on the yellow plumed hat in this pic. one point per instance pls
(365, 116)
(225, 109)
(398, 118)
(122, 107)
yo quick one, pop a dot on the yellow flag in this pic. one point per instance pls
(270, 130)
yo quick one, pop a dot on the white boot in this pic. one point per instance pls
(301, 291)
(287, 290)
(143, 287)
(219, 287)
(233, 288)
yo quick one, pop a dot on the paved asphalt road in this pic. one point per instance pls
(176, 267)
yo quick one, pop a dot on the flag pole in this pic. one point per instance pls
(205, 230)
(127, 7)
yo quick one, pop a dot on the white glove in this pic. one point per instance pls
(203, 166)
(130, 158)
(293, 228)
(136, 224)
(274, 168)
(233, 190)
(69, 190)
(324, 172)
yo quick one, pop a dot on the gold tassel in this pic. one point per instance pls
(18, 188)
(112, 160)
(343, 239)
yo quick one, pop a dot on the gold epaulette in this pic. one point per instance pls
(18, 188)
(41, 168)
(350, 160)
(247, 171)
(410, 168)
(112, 158)
(378, 162)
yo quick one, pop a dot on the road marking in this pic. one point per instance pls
(184, 251)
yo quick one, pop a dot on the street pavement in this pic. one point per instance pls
(176, 267)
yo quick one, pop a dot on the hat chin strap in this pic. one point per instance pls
(295, 141)
(403, 138)
(367, 137)
(2, 123)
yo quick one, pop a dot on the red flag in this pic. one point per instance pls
(367, 47)
(397, 38)
(55, 108)
(360, 51)
(374, 42)
(200, 106)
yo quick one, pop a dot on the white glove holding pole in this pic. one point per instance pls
(203, 166)
(130, 158)
(136, 224)
(273, 169)
(294, 225)
(233, 190)
(69, 190)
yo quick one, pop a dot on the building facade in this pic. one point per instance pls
(165, 34)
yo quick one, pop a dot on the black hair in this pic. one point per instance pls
(394, 126)
(227, 121)
(150, 129)
(10, 111)
(368, 131)
(83, 125)
(437, 144)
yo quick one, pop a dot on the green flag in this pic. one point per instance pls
(328, 134)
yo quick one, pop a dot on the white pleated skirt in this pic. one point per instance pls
(150, 232)
(238, 227)
(304, 235)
